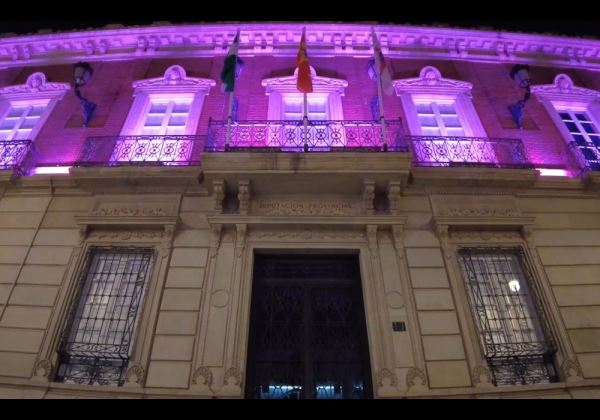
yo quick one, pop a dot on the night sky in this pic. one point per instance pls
(520, 16)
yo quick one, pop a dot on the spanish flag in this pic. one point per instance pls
(304, 82)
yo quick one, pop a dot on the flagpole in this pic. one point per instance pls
(379, 93)
(305, 121)
(229, 120)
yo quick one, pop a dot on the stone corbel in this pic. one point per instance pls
(42, 371)
(527, 233)
(386, 383)
(368, 196)
(240, 238)
(219, 194)
(482, 377)
(393, 192)
(444, 237)
(397, 231)
(134, 377)
(215, 238)
(232, 382)
(572, 371)
(244, 196)
(202, 381)
(372, 239)
(416, 381)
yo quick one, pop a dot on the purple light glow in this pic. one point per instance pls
(553, 172)
(51, 170)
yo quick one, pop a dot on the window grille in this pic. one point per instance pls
(508, 315)
(98, 341)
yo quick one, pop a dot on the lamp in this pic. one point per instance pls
(520, 74)
(82, 72)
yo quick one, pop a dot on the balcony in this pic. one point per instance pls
(271, 154)
(141, 151)
(292, 136)
(123, 163)
(585, 157)
(17, 157)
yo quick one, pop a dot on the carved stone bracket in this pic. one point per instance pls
(134, 376)
(393, 192)
(444, 237)
(42, 371)
(202, 380)
(386, 383)
(215, 238)
(232, 381)
(482, 377)
(240, 239)
(572, 371)
(416, 380)
(397, 231)
(372, 240)
(527, 233)
(368, 196)
(244, 196)
(219, 194)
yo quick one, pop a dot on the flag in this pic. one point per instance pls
(229, 66)
(304, 81)
(381, 67)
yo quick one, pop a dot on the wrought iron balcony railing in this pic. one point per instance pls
(584, 155)
(468, 151)
(141, 151)
(17, 155)
(292, 136)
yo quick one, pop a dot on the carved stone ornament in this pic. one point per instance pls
(244, 195)
(175, 77)
(564, 87)
(386, 382)
(482, 377)
(232, 381)
(481, 211)
(416, 379)
(219, 194)
(430, 79)
(572, 370)
(240, 238)
(134, 376)
(304, 234)
(397, 235)
(320, 84)
(202, 379)
(215, 238)
(42, 371)
(372, 240)
(368, 197)
(130, 211)
(484, 236)
(393, 192)
(36, 84)
(306, 207)
(127, 235)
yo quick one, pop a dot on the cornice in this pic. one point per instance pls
(282, 39)
(564, 89)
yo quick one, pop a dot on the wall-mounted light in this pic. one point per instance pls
(514, 285)
(82, 72)
(520, 74)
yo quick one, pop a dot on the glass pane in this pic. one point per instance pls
(4, 134)
(16, 112)
(181, 108)
(36, 111)
(29, 122)
(428, 131)
(446, 108)
(579, 139)
(292, 116)
(154, 121)
(22, 135)
(565, 116)
(595, 140)
(582, 117)
(572, 127)
(150, 131)
(177, 120)
(455, 132)
(158, 108)
(424, 108)
(8, 124)
(175, 131)
(428, 121)
(293, 107)
(589, 128)
(451, 121)
(316, 107)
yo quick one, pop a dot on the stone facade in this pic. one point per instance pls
(192, 334)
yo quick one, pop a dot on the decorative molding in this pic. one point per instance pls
(394, 189)
(320, 84)
(175, 79)
(219, 194)
(202, 379)
(305, 234)
(240, 238)
(397, 236)
(368, 196)
(215, 238)
(386, 382)
(134, 376)
(395, 300)
(484, 236)
(372, 240)
(481, 212)
(128, 235)
(35, 87)
(430, 81)
(305, 207)
(163, 40)
(244, 196)
(572, 371)
(482, 377)
(127, 211)
(232, 381)
(416, 380)
(42, 371)
(295, 221)
(443, 234)
(563, 89)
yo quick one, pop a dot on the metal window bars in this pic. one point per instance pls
(17, 155)
(513, 331)
(97, 342)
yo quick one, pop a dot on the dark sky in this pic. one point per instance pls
(531, 16)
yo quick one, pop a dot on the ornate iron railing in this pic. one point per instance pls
(17, 155)
(141, 150)
(292, 136)
(584, 156)
(468, 151)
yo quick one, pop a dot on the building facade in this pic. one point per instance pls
(424, 246)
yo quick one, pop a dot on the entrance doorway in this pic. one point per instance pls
(308, 337)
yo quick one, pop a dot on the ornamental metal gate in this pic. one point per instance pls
(308, 337)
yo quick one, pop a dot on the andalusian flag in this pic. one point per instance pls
(229, 66)
(304, 82)
(381, 67)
